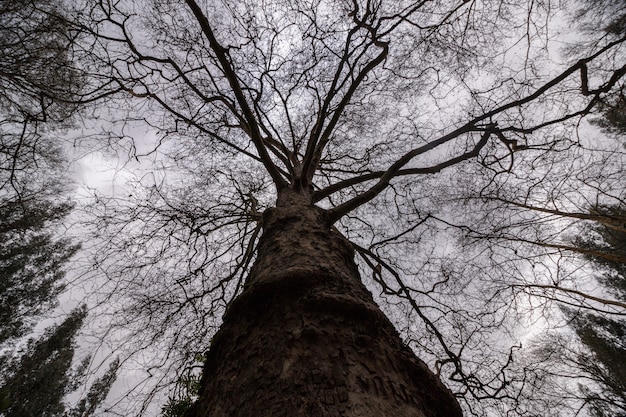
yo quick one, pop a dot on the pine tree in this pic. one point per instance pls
(36, 82)
(38, 85)
(604, 244)
(38, 380)
(31, 263)
(98, 391)
(605, 337)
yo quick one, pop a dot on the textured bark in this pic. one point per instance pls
(305, 337)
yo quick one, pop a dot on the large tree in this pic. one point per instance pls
(37, 83)
(300, 135)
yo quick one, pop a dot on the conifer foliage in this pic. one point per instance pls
(602, 382)
(605, 337)
(38, 84)
(39, 380)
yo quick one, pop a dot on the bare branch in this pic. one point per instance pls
(252, 125)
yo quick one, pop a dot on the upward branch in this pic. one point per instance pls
(322, 134)
(231, 76)
(384, 177)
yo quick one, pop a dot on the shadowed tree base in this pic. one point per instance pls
(305, 337)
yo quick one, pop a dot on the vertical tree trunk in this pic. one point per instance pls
(305, 337)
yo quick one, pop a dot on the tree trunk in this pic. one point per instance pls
(305, 337)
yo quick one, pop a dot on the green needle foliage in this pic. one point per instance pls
(605, 337)
(31, 263)
(38, 380)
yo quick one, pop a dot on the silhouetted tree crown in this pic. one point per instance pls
(435, 146)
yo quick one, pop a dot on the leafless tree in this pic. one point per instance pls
(306, 150)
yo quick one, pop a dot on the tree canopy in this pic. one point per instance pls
(447, 141)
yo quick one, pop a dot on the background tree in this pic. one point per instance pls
(587, 367)
(37, 383)
(39, 86)
(32, 263)
(572, 231)
(97, 393)
(599, 365)
(275, 125)
(36, 83)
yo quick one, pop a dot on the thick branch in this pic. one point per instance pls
(231, 76)
(581, 65)
(339, 211)
(395, 168)
(333, 188)
(192, 122)
(571, 291)
(316, 146)
(319, 122)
